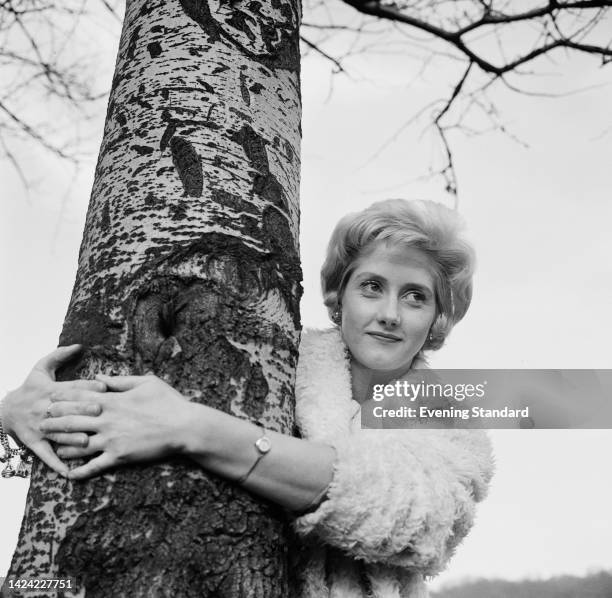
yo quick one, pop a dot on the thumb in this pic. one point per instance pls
(49, 363)
(121, 383)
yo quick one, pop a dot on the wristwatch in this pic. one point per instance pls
(262, 445)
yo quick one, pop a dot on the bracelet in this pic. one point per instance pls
(262, 446)
(23, 455)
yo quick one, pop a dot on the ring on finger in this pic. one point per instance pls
(48, 411)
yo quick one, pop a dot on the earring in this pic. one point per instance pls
(337, 316)
(430, 337)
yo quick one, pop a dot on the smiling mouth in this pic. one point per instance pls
(384, 336)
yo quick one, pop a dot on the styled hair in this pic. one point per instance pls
(425, 225)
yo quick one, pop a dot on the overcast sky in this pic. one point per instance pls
(538, 216)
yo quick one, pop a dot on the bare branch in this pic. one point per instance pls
(489, 18)
(448, 171)
(13, 160)
(111, 9)
(29, 130)
(331, 27)
(496, 39)
(312, 45)
(44, 49)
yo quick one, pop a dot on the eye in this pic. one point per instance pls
(414, 297)
(371, 287)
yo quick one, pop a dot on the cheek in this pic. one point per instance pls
(419, 324)
(357, 309)
(349, 327)
(354, 320)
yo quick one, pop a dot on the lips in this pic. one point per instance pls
(384, 336)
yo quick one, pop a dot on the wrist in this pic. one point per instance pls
(193, 435)
(5, 415)
(17, 459)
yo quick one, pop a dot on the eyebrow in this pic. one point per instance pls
(412, 285)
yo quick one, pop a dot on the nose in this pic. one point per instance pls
(389, 314)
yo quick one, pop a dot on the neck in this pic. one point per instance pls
(363, 379)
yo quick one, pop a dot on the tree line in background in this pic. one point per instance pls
(596, 585)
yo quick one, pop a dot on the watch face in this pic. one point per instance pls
(263, 444)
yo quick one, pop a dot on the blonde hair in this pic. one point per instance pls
(424, 225)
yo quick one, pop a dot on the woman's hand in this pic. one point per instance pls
(142, 420)
(24, 409)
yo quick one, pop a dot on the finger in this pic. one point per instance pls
(76, 452)
(94, 467)
(122, 383)
(79, 439)
(95, 445)
(49, 363)
(45, 453)
(60, 394)
(59, 408)
(93, 385)
(70, 423)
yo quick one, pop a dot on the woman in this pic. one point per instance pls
(375, 510)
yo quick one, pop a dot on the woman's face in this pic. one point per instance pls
(388, 307)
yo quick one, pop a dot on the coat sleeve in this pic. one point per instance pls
(403, 497)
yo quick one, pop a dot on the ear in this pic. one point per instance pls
(438, 332)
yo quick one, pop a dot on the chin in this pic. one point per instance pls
(381, 364)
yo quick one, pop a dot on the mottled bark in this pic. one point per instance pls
(188, 268)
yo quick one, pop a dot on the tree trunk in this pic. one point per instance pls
(189, 268)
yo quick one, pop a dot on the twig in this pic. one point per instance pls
(448, 172)
(339, 67)
(111, 10)
(17, 167)
(29, 130)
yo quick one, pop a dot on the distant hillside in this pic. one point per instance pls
(598, 585)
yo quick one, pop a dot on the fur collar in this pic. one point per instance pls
(324, 404)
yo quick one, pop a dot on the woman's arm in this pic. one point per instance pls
(148, 419)
(295, 473)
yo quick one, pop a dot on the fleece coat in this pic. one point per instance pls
(400, 501)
